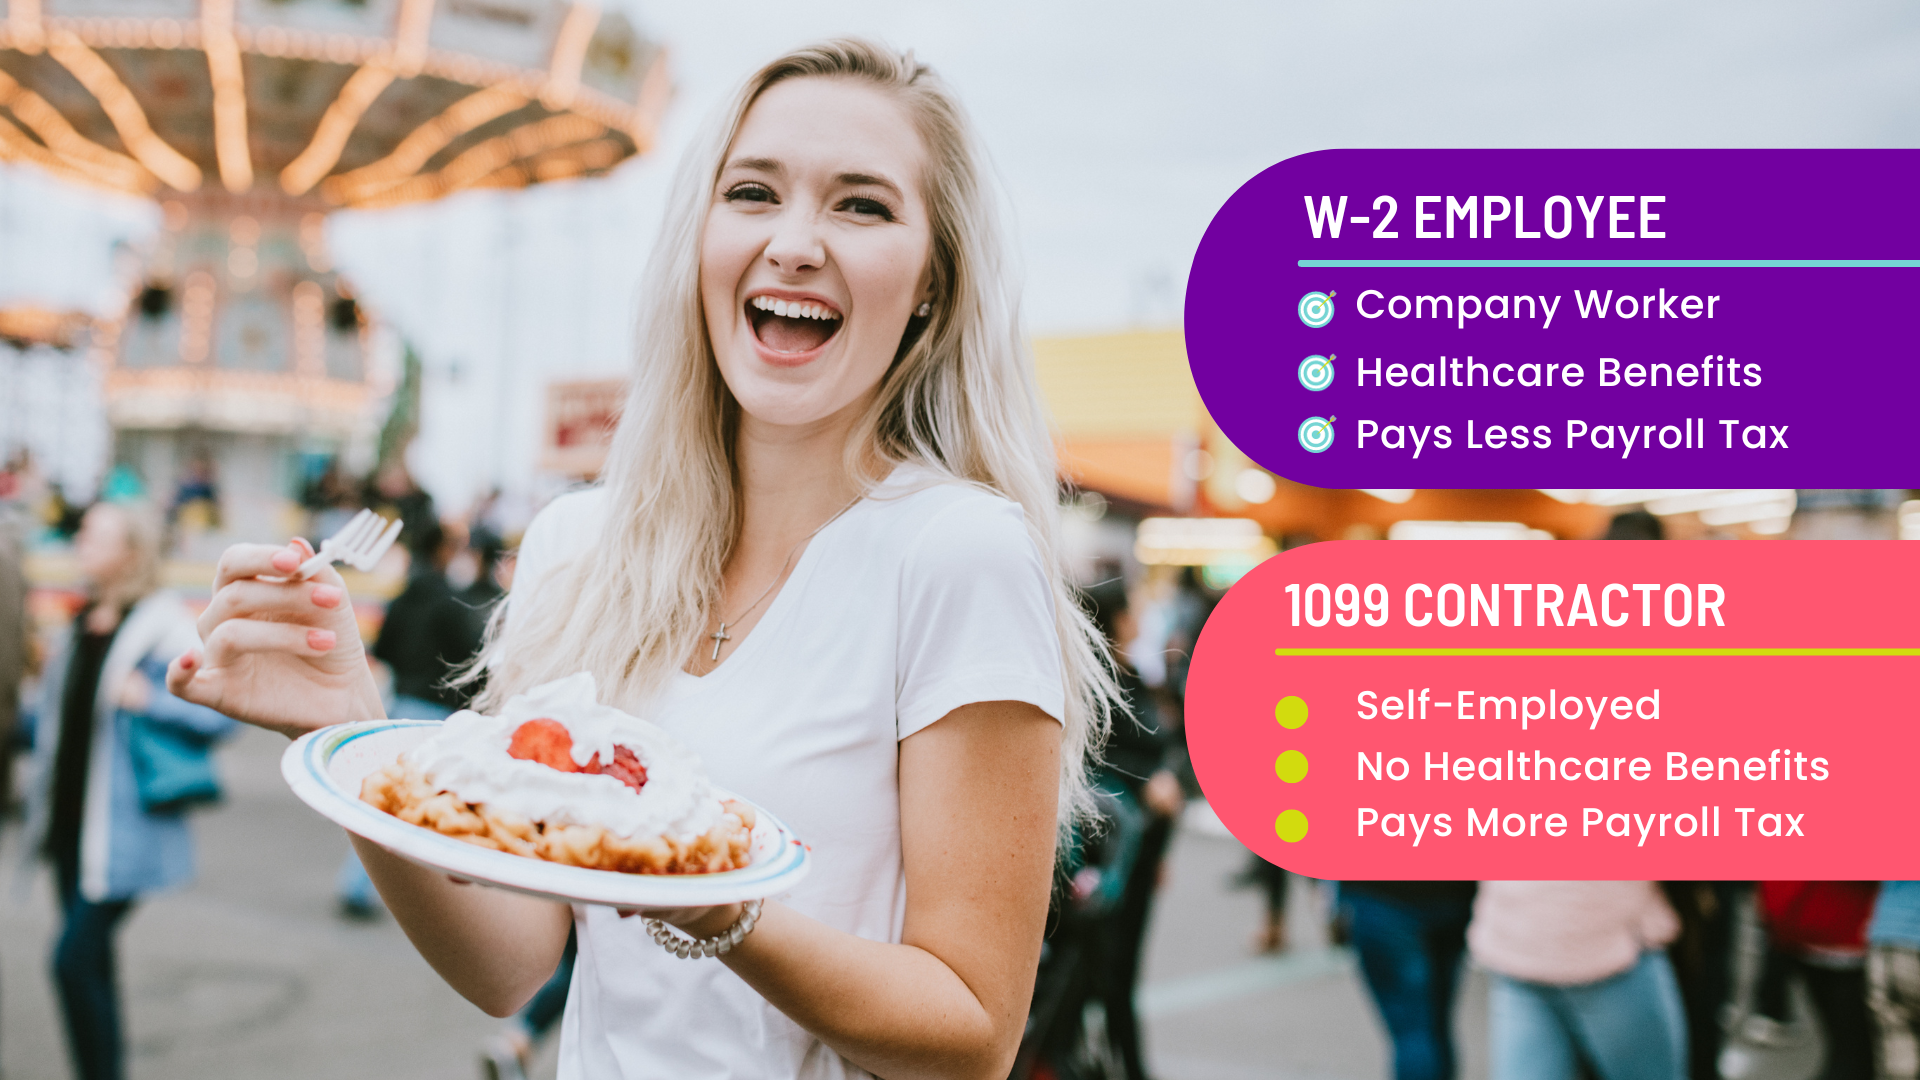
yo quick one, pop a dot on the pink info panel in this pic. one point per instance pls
(1596, 710)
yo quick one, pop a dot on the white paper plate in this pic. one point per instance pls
(325, 768)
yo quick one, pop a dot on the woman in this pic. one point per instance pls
(824, 557)
(1100, 918)
(85, 812)
(1817, 930)
(1580, 975)
(1410, 937)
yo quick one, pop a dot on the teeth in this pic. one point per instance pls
(794, 309)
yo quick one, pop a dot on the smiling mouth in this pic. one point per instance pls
(792, 326)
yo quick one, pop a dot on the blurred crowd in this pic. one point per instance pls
(1612, 980)
(117, 762)
(1637, 979)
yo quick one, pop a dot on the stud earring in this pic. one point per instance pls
(925, 309)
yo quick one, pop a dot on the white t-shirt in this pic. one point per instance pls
(926, 596)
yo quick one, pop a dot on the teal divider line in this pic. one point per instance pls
(1549, 264)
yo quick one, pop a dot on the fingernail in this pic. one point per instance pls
(321, 639)
(326, 596)
(285, 561)
(187, 660)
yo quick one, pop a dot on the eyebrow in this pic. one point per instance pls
(756, 164)
(847, 179)
(868, 180)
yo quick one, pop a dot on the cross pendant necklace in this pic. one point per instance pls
(721, 637)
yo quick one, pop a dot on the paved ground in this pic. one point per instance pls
(250, 974)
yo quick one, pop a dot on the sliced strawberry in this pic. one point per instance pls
(545, 741)
(627, 769)
(549, 743)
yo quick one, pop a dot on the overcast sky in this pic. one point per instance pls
(1120, 127)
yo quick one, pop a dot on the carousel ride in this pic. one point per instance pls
(249, 121)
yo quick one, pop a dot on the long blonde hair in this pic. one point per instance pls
(960, 398)
(144, 534)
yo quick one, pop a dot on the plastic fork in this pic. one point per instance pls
(359, 544)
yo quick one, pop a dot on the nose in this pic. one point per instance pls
(796, 245)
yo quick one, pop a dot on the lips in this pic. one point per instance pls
(792, 326)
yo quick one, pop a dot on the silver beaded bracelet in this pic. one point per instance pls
(719, 945)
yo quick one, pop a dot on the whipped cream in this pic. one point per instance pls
(468, 756)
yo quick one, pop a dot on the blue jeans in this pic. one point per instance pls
(1410, 953)
(83, 972)
(1627, 1027)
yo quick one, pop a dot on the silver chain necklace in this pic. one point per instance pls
(721, 637)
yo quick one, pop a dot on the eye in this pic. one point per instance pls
(866, 207)
(750, 191)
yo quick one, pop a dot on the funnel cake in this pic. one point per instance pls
(560, 777)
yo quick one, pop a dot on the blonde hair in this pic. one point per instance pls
(144, 534)
(960, 398)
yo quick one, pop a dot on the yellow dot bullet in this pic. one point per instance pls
(1291, 712)
(1291, 826)
(1291, 766)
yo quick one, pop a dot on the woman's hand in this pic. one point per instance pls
(282, 654)
(697, 923)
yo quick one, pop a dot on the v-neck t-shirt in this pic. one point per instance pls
(926, 595)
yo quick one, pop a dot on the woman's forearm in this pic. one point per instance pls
(897, 1011)
(978, 795)
(495, 947)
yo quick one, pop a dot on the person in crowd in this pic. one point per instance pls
(1136, 775)
(1580, 978)
(60, 515)
(23, 484)
(1109, 874)
(824, 557)
(1702, 957)
(1271, 880)
(331, 499)
(14, 476)
(429, 634)
(1636, 525)
(16, 638)
(1817, 933)
(392, 493)
(486, 589)
(1410, 937)
(1893, 979)
(86, 814)
(197, 496)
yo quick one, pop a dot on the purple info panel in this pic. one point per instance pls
(1567, 318)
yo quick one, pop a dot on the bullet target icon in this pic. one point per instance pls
(1316, 434)
(1316, 309)
(1316, 372)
